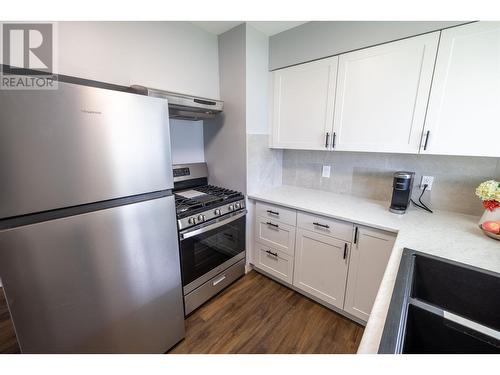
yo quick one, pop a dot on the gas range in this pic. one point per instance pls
(212, 229)
(204, 203)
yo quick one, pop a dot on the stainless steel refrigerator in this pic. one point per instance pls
(89, 256)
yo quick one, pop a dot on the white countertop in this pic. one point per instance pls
(445, 234)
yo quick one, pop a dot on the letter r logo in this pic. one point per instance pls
(28, 46)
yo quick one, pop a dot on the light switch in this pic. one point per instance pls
(326, 171)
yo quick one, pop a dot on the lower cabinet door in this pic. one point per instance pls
(274, 262)
(369, 257)
(321, 264)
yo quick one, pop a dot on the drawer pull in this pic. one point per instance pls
(273, 212)
(271, 253)
(322, 225)
(345, 250)
(273, 225)
(222, 278)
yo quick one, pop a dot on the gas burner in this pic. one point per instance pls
(197, 202)
(210, 197)
(201, 203)
(218, 191)
(184, 204)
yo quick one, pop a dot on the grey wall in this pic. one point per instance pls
(225, 137)
(369, 175)
(318, 39)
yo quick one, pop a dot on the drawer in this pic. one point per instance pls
(274, 262)
(324, 225)
(275, 234)
(213, 286)
(274, 212)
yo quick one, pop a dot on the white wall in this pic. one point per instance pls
(315, 40)
(174, 56)
(187, 141)
(263, 164)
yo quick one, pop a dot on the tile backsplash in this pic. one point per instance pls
(369, 175)
(264, 165)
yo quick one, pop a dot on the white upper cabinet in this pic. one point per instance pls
(382, 94)
(302, 105)
(464, 108)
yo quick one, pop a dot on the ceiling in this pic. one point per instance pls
(267, 27)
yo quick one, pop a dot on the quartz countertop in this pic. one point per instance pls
(446, 234)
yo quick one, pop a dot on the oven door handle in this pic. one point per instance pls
(195, 232)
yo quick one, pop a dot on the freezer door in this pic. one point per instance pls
(102, 282)
(80, 144)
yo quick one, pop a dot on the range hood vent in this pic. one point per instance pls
(184, 107)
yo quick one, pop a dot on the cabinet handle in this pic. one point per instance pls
(271, 253)
(345, 250)
(356, 235)
(273, 212)
(273, 225)
(426, 139)
(322, 225)
(327, 138)
(222, 278)
(333, 140)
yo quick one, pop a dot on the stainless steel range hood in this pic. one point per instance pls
(184, 107)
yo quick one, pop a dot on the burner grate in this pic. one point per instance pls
(218, 191)
(215, 196)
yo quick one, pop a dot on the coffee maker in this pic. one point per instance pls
(401, 191)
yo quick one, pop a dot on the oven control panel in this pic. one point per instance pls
(181, 172)
(212, 213)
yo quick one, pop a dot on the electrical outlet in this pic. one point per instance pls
(326, 171)
(426, 180)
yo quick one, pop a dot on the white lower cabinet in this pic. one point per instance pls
(322, 257)
(370, 254)
(321, 264)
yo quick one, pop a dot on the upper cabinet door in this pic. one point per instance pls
(382, 95)
(302, 108)
(464, 107)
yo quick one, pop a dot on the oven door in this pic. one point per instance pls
(211, 248)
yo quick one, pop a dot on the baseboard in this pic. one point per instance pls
(248, 268)
(313, 298)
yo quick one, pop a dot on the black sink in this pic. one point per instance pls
(429, 333)
(441, 306)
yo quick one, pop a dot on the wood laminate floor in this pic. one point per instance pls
(259, 315)
(254, 315)
(8, 341)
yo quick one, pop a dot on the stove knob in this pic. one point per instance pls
(217, 212)
(230, 207)
(201, 217)
(237, 206)
(192, 220)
